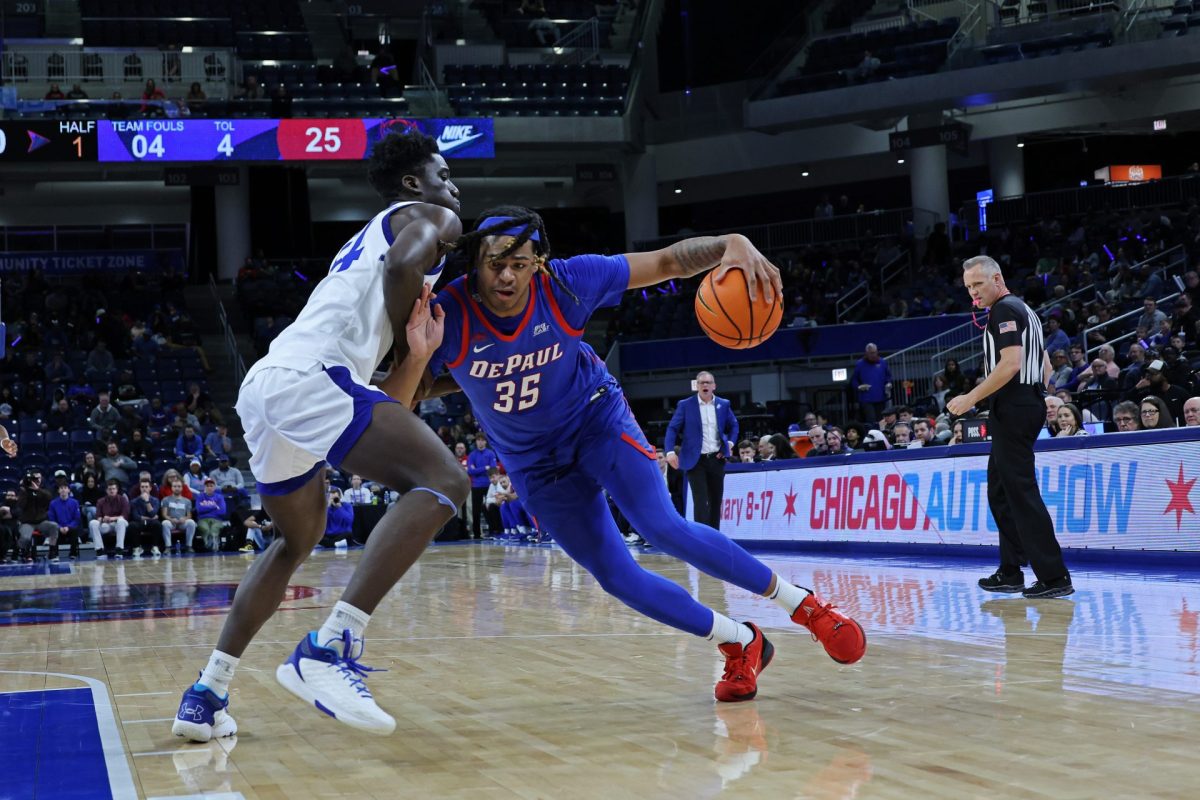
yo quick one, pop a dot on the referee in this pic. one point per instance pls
(1017, 366)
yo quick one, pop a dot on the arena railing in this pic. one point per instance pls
(235, 355)
(1080, 200)
(1137, 312)
(114, 70)
(1044, 308)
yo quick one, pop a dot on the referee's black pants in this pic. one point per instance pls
(706, 481)
(1026, 530)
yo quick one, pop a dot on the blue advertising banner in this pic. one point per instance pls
(65, 263)
(1124, 491)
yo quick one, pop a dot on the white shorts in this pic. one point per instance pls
(296, 420)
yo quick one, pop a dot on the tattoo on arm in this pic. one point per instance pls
(698, 254)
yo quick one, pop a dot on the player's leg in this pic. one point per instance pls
(625, 465)
(400, 451)
(698, 485)
(575, 509)
(716, 490)
(1008, 577)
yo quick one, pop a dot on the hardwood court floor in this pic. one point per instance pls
(512, 675)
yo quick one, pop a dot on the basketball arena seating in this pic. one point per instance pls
(917, 49)
(1049, 46)
(270, 29)
(548, 90)
(518, 30)
(1185, 17)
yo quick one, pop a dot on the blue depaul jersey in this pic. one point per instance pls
(530, 377)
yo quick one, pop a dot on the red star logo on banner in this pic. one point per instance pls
(1180, 489)
(790, 497)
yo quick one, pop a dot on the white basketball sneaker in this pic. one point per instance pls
(202, 716)
(331, 679)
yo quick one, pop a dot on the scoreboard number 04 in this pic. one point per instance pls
(140, 146)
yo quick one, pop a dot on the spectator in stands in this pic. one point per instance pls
(766, 450)
(194, 477)
(138, 446)
(169, 478)
(1184, 317)
(61, 417)
(496, 495)
(258, 528)
(1134, 371)
(177, 517)
(199, 404)
(824, 208)
(250, 89)
(937, 246)
(781, 448)
(924, 434)
(210, 515)
(957, 436)
(112, 515)
(196, 99)
(339, 520)
(1056, 337)
(1079, 365)
(157, 417)
(1162, 337)
(937, 398)
(218, 445)
(105, 419)
(64, 512)
(226, 476)
(1127, 416)
(855, 433)
(77, 93)
(31, 506)
(58, 372)
(142, 344)
(956, 380)
(189, 446)
(1105, 388)
(1157, 384)
(1155, 414)
(1070, 421)
(747, 454)
(1191, 412)
(152, 98)
(358, 494)
(1060, 369)
(100, 366)
(1152, 316)
(1053, 404)
(1109, 356)
(90, 493)
(115, 465)
(867, 67)
(872, 378)
(183, 419)
(55, 93)
(816, 435)
(383, 72)
(144, 527)
(901, 435)
(835, 443)
(478, 463)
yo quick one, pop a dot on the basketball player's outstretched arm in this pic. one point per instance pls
(698, 255)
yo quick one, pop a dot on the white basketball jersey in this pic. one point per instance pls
(345, 321)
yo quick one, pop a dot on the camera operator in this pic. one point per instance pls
(33, 510)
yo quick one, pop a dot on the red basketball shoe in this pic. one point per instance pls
(842, 637)
(742, 667)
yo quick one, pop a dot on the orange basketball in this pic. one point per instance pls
(727, 315)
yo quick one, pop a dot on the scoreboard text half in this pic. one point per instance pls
(229, 140)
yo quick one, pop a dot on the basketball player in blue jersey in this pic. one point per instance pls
(309, 403)
(512, 341)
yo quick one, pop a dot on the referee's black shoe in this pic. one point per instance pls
(1008, 583)
(1059, 587)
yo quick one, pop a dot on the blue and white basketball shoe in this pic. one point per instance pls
(202, 716)
(331, 679)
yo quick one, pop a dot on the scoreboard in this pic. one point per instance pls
(229, 140)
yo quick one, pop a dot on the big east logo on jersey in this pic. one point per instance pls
(514, 363)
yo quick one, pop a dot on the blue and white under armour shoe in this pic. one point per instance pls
(202, 716)
(331, 679)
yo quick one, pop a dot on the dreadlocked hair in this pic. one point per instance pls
(397, 155)
(530, 222)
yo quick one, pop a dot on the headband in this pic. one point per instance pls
(516, 230)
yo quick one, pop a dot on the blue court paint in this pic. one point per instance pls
(38, 568)
(51, 747)
(55, 605)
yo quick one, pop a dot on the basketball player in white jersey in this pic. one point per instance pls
(308, 403)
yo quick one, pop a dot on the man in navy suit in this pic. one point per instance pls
(705, 428)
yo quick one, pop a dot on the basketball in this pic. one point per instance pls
(729, 317)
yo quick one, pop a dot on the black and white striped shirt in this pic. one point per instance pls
(1013, 323)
